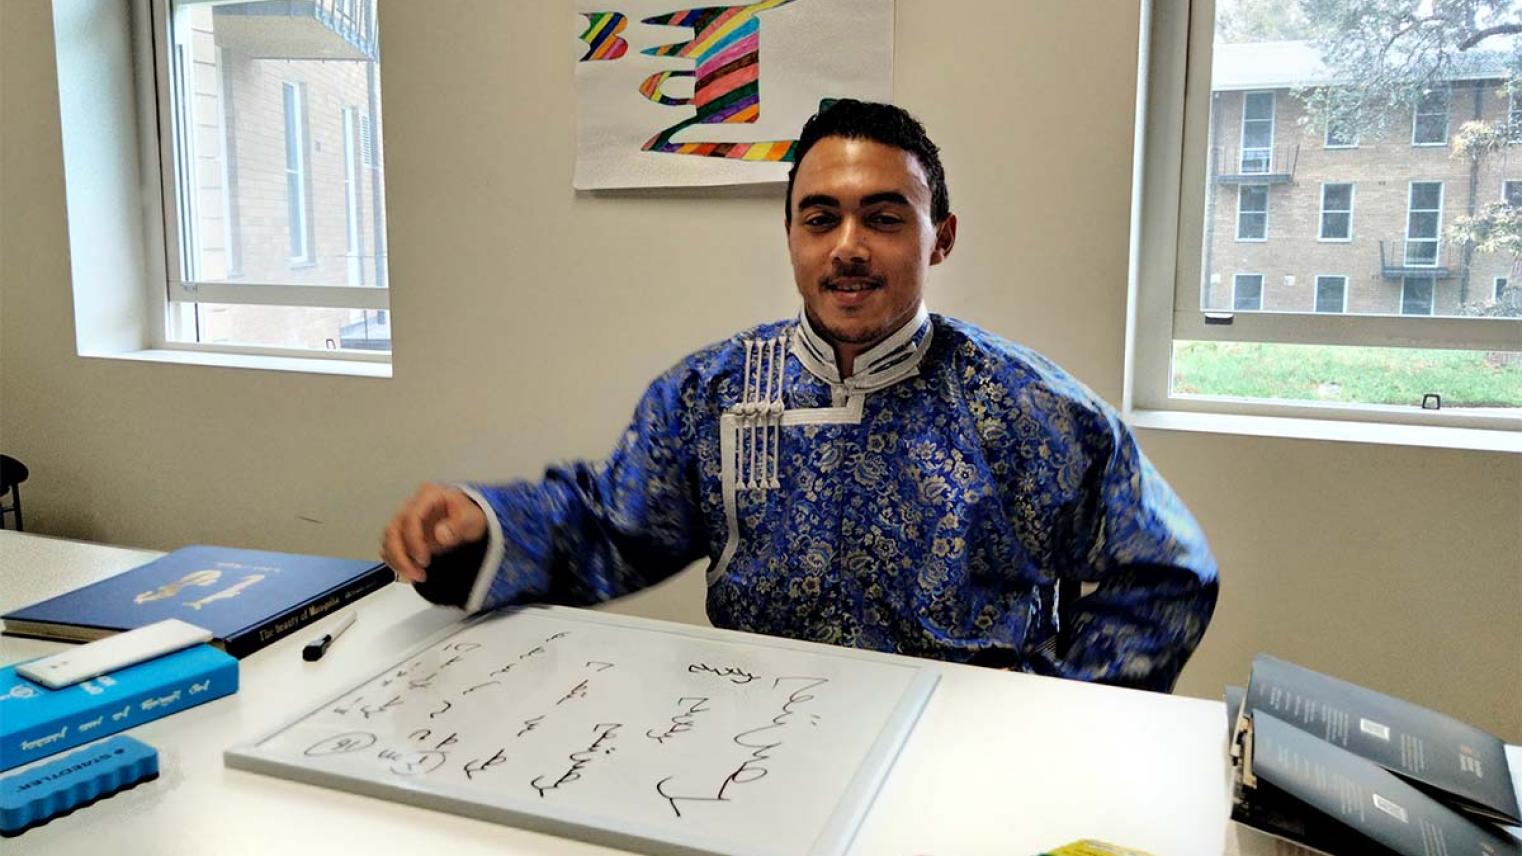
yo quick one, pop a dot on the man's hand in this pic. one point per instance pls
(435, 520)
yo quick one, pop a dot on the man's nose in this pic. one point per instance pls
(850, 243)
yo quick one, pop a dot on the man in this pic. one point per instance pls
(867, 474)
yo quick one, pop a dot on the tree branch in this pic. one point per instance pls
(1482, 35)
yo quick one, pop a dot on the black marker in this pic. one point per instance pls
(319, 646)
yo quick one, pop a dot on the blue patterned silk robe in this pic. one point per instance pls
(951, 499)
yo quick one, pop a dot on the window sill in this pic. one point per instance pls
(1346, 431)
(307, 365)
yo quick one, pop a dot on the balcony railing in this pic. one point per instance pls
(299, 29)
(1412, 257)
(1248, 165)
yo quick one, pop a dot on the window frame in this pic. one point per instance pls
(1437, 239)
(1321, 215)
(1405, 282)
(1417, 114)
(1326, 140)
(1241, 189)
(174, 289)
(1273, 127)
(1504, 196)
(298, 141)
(1262, 283)
(1316, 294)
(1169, 205)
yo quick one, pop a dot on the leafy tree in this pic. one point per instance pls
(1243, 21)
(1389, 53)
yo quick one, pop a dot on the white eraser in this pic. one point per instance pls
(117, 651)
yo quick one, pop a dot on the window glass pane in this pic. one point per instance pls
(1248, 294)
(1336, 225)
(1330, 291)
(1257, 135)
(1490, 380)
(1260, 105)
(1252, 227)
(1431, 118)
(1421, 253)
(1416, 296)
(1426, 195)
(1339, 133)
(1337, 197)
(1423, 224)
(281, 185)
(1512, 193)
(310, 328)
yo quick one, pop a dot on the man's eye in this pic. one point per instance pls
(816, 220)
(887, 219)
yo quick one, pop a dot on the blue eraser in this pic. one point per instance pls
(37, 794)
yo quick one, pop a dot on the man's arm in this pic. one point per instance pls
(585, 533)
(1156, 579)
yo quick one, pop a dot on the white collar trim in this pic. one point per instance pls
(886, 363)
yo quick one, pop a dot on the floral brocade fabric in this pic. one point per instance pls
(982, 507)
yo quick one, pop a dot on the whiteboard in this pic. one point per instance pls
(621, 731)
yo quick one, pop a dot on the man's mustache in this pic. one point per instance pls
(833, 279)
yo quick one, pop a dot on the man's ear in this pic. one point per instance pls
(945, 239)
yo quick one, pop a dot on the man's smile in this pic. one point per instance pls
(852, 284)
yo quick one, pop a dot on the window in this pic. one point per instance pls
(1252, 212)
(296, 174)
(1511, 193)
(1247, 292)
(1500, 289)
(1402, 304)
(1416, 295)
(1257, 132)
(1331, 294)
(276, 231)
(1336, 212)
(1429, 122)
(1340, 135)
(1424, 218)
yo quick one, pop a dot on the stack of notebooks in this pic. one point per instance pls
(1320, 765)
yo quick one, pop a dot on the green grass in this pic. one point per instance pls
(1347, 374)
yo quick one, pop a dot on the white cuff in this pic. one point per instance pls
(495, 546)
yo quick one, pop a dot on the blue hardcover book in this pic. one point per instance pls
(36, 721)
(246, 598)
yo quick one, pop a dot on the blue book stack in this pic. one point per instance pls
(36, 721)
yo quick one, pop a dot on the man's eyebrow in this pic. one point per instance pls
(886, 196)
(818, 199)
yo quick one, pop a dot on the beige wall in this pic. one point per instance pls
(514, 299)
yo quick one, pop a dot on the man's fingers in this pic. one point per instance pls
(394, 554)
(434, 520)
(418, 523)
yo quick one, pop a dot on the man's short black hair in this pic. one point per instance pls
(881, 123)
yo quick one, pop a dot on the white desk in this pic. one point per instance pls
(999, 763)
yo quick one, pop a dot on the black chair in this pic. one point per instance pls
(12, 474)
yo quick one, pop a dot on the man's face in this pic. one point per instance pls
(861, 239)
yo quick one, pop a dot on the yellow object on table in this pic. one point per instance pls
(1093, 848)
